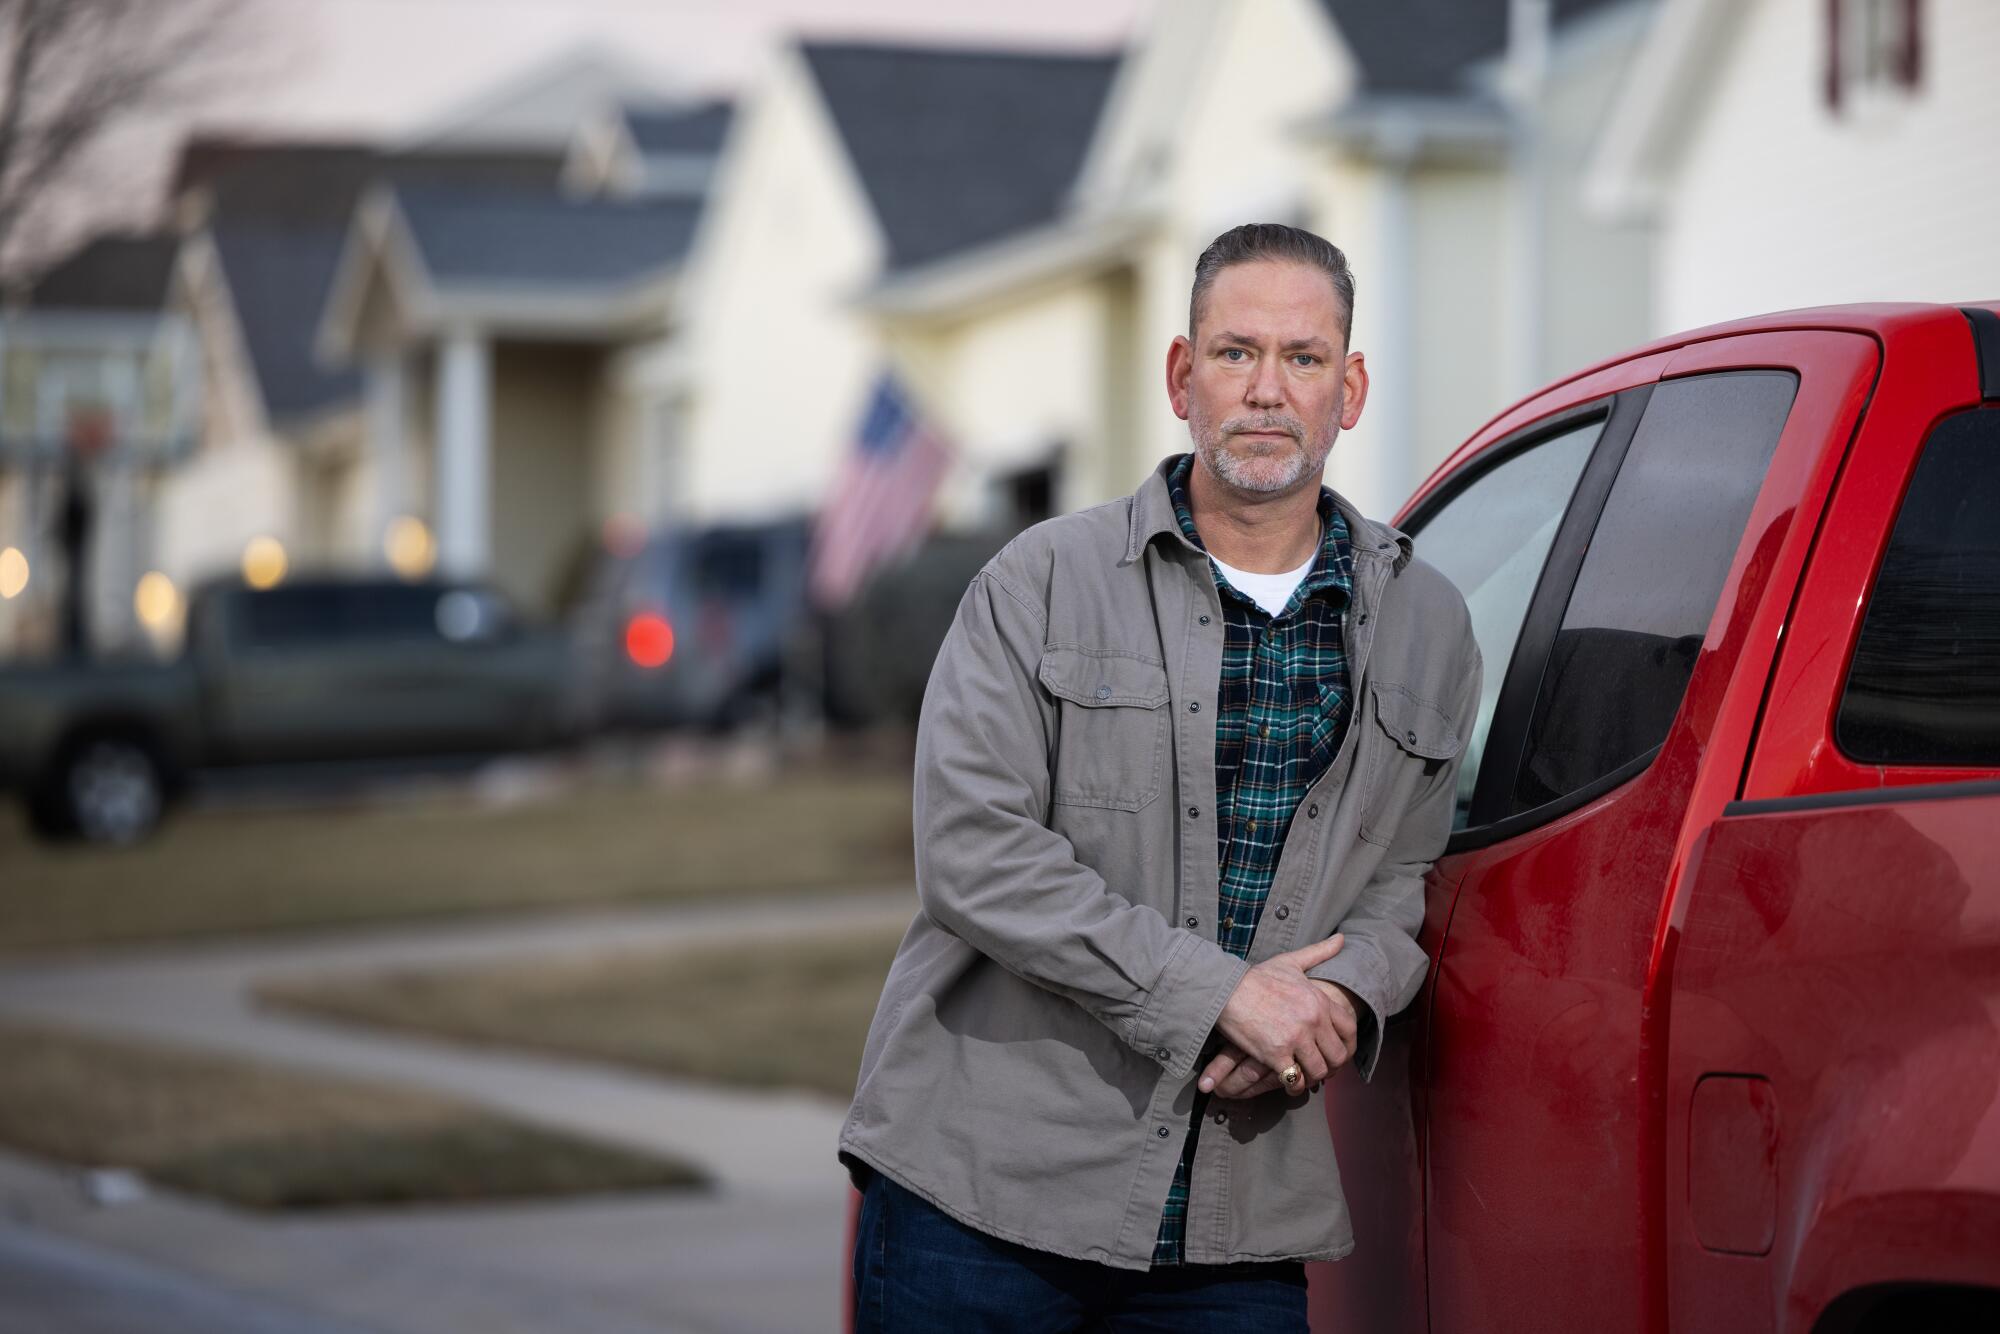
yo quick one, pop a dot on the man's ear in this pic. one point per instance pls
(1356, 391)
(1180, 366)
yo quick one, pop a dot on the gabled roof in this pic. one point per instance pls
(536, 264)
(1429, 46)
(303, 183)
(696, 129)
(278, 275)
(120, 272)
(279, 214)
(514, 238)
(956, 147)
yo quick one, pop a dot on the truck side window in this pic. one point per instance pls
(1490, 540)
(1924, 686)
(1649, 583)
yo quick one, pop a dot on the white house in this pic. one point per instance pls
(845, 163)
(1439, 146)
(1795, 154)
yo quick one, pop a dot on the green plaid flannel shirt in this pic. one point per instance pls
(1281, 709)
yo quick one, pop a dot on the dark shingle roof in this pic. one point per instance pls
(517, 238)
(958, 147)
(110, 273)
(694, 129)
(306, 183)
(278, 279)
(280, 217)
(1425, 46)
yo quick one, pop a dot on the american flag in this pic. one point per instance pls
(881, 501)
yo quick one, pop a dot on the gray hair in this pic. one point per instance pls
(1275, 241)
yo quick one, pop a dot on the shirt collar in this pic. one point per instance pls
(1333, 564)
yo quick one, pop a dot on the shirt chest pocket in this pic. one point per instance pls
(1111, 745)
(1410, 738)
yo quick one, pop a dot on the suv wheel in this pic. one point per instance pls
(112, 790)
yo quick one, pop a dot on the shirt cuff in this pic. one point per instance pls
(1194, 986)
(1349, 971)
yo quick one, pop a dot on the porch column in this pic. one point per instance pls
(464, 453)
(386, 448)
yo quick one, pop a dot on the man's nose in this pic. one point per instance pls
(1266, 388)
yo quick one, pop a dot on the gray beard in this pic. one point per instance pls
(1244, 475)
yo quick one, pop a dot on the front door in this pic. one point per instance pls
(1620, 724)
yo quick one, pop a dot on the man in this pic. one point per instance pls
(1182, 764)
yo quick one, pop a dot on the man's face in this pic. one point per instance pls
(1266, 383)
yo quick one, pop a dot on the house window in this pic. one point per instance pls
(1874, 50)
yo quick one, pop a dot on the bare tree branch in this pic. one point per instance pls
(76, 69)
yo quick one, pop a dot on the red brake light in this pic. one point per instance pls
(649, 640)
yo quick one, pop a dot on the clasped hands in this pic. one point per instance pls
(1276, 1017)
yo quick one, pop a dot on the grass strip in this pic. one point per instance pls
(269, 1138)
(767, 1014)
(227, 872)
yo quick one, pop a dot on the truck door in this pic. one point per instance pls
(1831, 1108)
(1672, 563)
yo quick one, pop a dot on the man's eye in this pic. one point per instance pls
(1306, 359)
(1234, 353)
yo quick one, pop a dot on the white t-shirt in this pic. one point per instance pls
(1269, 591)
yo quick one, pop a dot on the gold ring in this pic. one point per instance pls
(1291, 1074)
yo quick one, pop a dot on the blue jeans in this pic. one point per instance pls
(917, 1270)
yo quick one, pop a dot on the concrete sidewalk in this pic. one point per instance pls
(199, 995)
(762, 1253)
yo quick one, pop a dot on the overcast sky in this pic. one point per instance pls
(368, 68)
(377, 64)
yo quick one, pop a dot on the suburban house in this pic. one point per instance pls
(492, 327)
(347, 297)
(99, 401)
(847, 163)
(281, 450)
(1799, 155)
(1438, 144)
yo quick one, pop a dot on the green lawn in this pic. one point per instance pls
(763, 1014)
(214, 872)
(268, 1138)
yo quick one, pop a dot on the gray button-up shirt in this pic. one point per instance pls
(1032, 1059)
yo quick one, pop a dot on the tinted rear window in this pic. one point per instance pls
(1924, 687)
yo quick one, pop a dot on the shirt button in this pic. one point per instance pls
(1253, 826)
(1193, 921)
(1163, 1053)
(1163, 1132)
(1411, 737)
(1194, 812)
(1204, 620)
(1194, 706)
(1267, 729)
(1220, 1117)
(1312, 811)
(1104, 692)
(1228, 923)
(1283, 912)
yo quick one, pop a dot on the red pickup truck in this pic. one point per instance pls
(1711, 1037)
